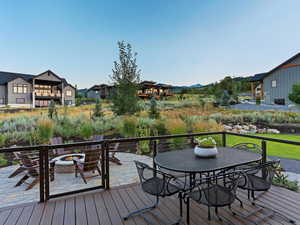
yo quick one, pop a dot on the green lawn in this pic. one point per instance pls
(273, 148)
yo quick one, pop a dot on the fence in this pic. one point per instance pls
(154, 141)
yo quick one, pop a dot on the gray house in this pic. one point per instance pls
(26, 90)
(275, 85)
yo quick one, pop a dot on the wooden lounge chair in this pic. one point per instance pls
(90, 164)
(21, 167)
(113, 149)
(31, 166)
(58, 151)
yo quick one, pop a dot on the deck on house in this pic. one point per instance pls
(108, 207)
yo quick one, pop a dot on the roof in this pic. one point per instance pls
(9, 76)
(262, 76)
(258, 77)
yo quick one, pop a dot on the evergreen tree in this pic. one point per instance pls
(154, 111)
(126, 78)
(98, 110)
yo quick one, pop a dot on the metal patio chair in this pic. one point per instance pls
(259, 178)
(215, 191)
(159, 184)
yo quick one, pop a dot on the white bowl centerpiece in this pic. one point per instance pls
(206, 147)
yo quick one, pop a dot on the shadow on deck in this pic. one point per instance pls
(108, 207)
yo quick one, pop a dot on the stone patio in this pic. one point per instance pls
(119, 175)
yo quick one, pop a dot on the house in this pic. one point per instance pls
(146, 90)
(149, 89)
(101, 91)
(275, 86)
(27, 90)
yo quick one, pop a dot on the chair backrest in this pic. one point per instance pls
(265, 171)
(97, 138)
(153, 181)
(249, 147)
(219, 189)
(91, 159)
(57, 141)
(29, 164)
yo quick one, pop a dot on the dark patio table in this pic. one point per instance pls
(186, 161)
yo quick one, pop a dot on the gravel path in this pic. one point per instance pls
(254, 107)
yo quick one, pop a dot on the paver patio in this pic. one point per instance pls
(119, 175)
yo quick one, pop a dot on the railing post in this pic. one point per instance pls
(42, 175)
(264, 156)
(154, 148)
(47, 186)
(106, 165)
(224, 139)
(103, 164)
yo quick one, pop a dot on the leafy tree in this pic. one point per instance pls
(98, 110)
(154, 111)
(295, 95)
(126, 78)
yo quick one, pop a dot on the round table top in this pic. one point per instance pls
(187, 162)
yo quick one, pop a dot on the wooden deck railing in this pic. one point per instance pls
(43, 151)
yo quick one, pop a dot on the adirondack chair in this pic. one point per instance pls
(31, 166)
(90, 164)
(58, 151)
(21, 167)
(113, 149)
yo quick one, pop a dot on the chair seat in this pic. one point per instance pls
(216, 196)
(157, 186)
(255, 183)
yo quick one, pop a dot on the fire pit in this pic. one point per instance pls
(65, 164)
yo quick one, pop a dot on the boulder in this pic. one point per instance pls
(273, 131)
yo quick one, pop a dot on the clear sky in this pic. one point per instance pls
(178, 41)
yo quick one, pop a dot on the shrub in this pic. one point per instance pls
(295, 95)
(86, 130)
(44, 130)
(129, 127)
(258, 100)
(161, 127)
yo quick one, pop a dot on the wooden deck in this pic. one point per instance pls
(108, 207)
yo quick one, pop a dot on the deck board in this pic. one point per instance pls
(108, 208)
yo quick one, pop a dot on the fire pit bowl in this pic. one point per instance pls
(65, 164)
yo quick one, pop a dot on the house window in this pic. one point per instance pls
(69, 93)
(20, 100)
(1, 101)
(274, 83)
(20, 89)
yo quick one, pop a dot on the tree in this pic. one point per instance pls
(295, 95)
(154, 111)
(126, 78)
(52, 110)
(97, 113)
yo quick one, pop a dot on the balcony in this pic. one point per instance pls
(107, 201)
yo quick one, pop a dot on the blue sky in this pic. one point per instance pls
(178, 41)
